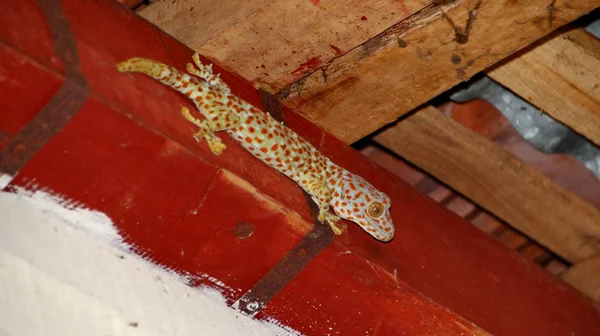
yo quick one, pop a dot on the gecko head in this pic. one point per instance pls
(358, 201)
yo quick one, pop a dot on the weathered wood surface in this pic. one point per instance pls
(563, 169)
(273, 43)
(498, 181)
(585, 276)
(417, 59)
(194, 22)
(560, 76)
(341, 62)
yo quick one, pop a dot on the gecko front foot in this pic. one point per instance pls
(331, 220)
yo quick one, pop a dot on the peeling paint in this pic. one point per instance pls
(56, 252)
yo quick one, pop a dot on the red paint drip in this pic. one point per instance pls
(311, 64)
(315, 2)
(402, 6)
(364, 18)
(337, 51)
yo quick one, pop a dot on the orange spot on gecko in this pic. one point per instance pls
(248, 139)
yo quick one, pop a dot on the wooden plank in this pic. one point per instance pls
(498, 181)
(274, 43)
(563, 169)
(194, 22)
(585, 276)
(560, 76)
(420, 58)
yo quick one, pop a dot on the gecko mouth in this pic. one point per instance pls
(387, 235)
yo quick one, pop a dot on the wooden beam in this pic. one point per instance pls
(274, 43)
(194, 22)
(419, 58)
(560, 76)
(498, 181)
(585, 276)
(342, 62)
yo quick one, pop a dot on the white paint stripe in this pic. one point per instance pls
(64, 271)
(5, 179)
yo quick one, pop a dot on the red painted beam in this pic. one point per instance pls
(128, 153)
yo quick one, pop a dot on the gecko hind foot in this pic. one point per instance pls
(215, 144)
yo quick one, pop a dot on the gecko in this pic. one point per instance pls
(330, 186)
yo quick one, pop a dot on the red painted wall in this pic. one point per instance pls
(127, 152)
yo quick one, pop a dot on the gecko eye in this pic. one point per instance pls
(375, 210)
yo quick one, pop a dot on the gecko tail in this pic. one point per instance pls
(159, 71)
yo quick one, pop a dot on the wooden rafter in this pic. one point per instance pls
(585, 276)
(498, 181)
(560, 76)
(373, 61)
(290, 38)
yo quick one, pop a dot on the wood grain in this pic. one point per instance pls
(497, 181)
(585, 276)
(194, 22)
(274, 43)
(419, 58)
(562, 77)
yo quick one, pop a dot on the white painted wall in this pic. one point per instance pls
(64, 271)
